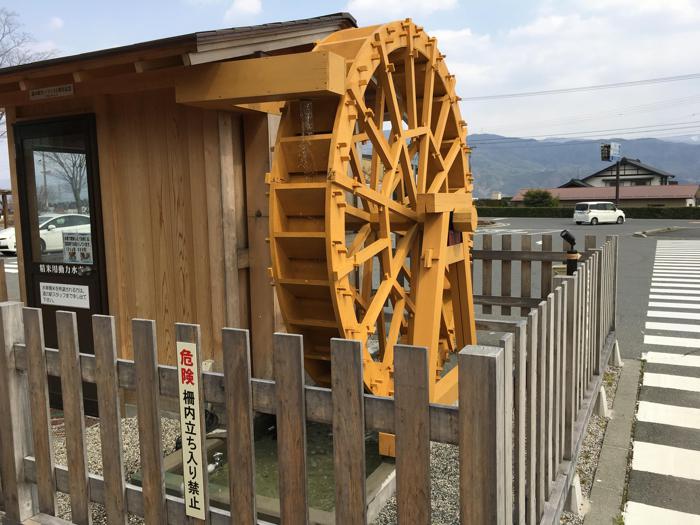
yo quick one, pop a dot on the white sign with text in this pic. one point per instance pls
(70, 295)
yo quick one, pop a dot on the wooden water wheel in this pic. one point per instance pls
(371, 212)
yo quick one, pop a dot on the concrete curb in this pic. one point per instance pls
(609, 482)
(645, 233)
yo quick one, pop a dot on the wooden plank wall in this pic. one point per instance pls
(177, 184)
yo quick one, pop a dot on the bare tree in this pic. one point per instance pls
(71, 170)
(15, 48)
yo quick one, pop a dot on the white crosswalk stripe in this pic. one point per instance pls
(672, 336)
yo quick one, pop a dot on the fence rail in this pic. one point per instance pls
(522, 413)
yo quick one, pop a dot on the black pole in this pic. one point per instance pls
(617, 183)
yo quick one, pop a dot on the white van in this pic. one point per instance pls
(598, 212)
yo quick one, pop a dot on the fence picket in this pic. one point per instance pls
(506, 343)
(486, 272)
(146, 368)
(39, 402)
(541, 405)
(72, 394)
(531, 422)
(348, 431)
(562, 293)
(549, 393)
(505, 273)
(239, 415)
(520, 409)
(105, 345)
(483, 486)
(291, 427)
(3, 282)
(411, 402)
(15, 441)
(525, 272)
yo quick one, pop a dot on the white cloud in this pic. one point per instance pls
(242, 9)
(56, 22)
(384, 9)
(568, 44)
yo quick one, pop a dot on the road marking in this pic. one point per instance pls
(686, 306)
(673, 327)
(680, 284)
(674, 280)
(663, 358)
(665, 460)
(689, 384)
(674, 297)
(668, 415)
(669, 273)
(683, 342)
(674, 315)
(675, 290)
(641, 514)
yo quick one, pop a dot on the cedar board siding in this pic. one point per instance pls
(161, 185)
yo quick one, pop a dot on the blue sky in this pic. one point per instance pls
(494, 46)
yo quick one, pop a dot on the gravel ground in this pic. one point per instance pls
(170, 429)
(587, 463)
(444, 488)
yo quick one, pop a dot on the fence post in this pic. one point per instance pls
(483, 487)
(15, 438)
(614, 239)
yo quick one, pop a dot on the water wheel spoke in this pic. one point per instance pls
(410, 81)
(429, 86)
(441, 123)
(394, 331)
(386, 80)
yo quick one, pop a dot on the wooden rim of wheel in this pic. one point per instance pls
(371, 213)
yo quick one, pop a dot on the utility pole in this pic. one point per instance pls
(617, 183)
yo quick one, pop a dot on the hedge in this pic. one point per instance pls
(630, 213)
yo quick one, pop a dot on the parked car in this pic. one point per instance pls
(51, 228)
(598, 212)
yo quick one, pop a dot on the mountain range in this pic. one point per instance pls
(507, 164)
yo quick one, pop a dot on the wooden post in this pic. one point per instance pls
(291, 427)
(562, 290)
(3, 282)
(239, 416)
(259, 133)
(105, 345)
(15, 438)
(546, 273)
(505, 272)
(525, 272)
(570, 362)
(72, 393)
(147, 381)
(412, 424)
(348, 431)
(486, 272)
(41, 417)
(615, 254)
(482, 412)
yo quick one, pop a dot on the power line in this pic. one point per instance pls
(615, 112)
(646, 127)
(596, 87)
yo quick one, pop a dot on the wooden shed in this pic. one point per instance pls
(139, 181)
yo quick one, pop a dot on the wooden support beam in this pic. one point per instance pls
(284, 77)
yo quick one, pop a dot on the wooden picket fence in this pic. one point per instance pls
(523, 409)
